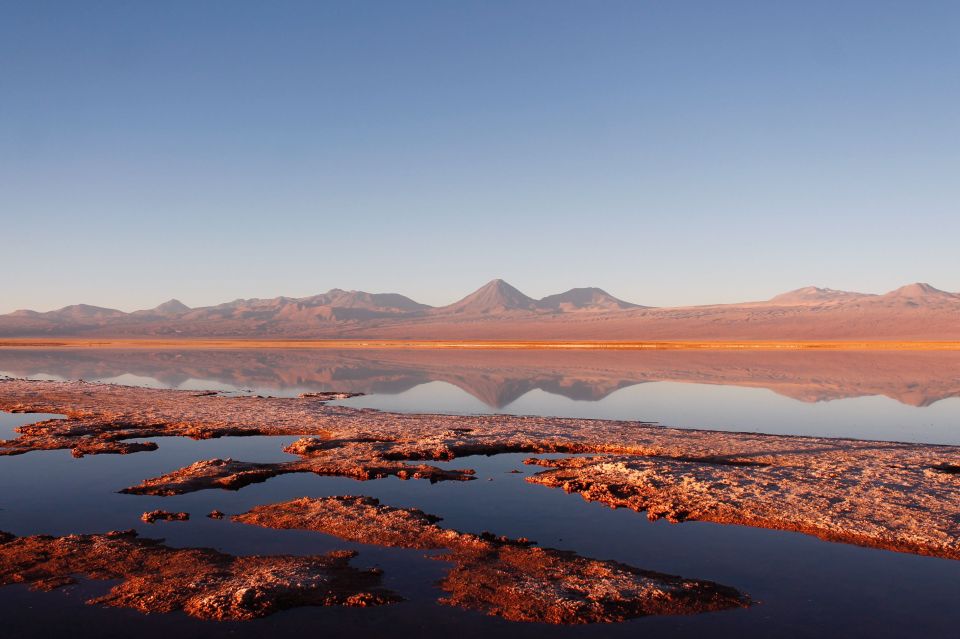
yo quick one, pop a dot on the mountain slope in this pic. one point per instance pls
(919, 293)
(815, 295)
(584, 299)
(83, 312)
(170, 308)
(383, 302)
(500, 311)
(492, 298)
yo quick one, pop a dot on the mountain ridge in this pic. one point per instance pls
(815, 294)
(493, 297)
(498, 310)
(586, 298)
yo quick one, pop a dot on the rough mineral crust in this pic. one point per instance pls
(505, 577)
(163, 515)
(233, 475)
(835, 497)
(202, 582)
(890, 495)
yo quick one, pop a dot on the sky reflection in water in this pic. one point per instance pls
(912, 397)
(806, 587)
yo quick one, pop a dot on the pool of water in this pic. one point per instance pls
(10, 421)
(708, 406)
(895, 396)
(804, 587)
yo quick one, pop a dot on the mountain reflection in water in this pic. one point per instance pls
(901, 394)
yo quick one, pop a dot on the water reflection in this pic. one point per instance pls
(904, 396)
(823, 588)
(807, 586)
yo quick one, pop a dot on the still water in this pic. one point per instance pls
(805, 587)
(911, 397)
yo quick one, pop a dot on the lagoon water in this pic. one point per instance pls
(708, 406)
(893, 396)
(804, 587)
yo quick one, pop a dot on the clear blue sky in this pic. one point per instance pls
(669, 152)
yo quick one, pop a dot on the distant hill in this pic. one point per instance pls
(920, 294)
(170, 308)
(584, 299)
(815, 295)
(81, 312)
(494, 297)
(498, 310)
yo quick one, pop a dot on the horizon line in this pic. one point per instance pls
(481, 344)
(482, 287)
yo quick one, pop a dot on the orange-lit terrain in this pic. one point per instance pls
(908, 317)
(373, 344)
(886, 495)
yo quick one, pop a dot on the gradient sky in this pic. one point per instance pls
(670, 152)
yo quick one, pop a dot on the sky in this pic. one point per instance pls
(671, 153)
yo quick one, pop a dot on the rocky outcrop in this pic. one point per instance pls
(509, 578)
(163, 515)
(833, 496)
(201, 582)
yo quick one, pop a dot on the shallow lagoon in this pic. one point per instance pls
(804, 586)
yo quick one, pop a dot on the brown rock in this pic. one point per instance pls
(831, 496)
(163, 515)
(505, 577)
(202, 582)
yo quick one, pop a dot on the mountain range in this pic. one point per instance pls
(497, 310)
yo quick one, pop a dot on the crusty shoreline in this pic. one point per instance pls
(881, 494)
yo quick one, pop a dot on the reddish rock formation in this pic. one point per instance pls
(234, 475)
(836, 495)
(505, 577)
(163, 515)
(202, 582)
